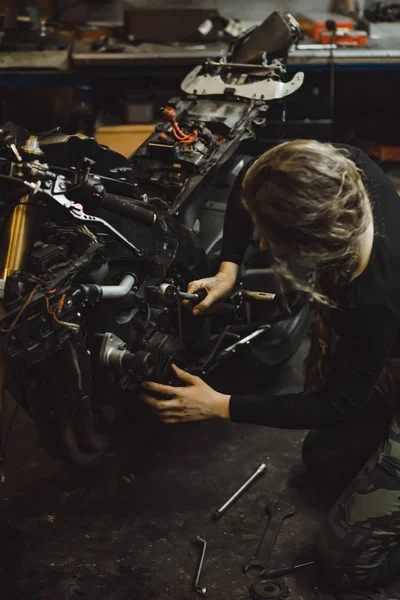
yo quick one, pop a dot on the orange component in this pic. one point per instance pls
(314, 24)
(59, 306)
(94, 33)
(386, 153)
(61, 301)
(53, 312)
(349, 38)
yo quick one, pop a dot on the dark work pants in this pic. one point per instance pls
(359, 542)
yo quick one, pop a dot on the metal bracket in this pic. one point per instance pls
(213, 85)
(112, 350)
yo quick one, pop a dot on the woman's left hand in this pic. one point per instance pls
(193, 402)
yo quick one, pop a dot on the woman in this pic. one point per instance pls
(333, 207)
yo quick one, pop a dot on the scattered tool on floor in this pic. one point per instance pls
(274, 573)
(196, 585)
(268, 589)
(221, 511)
(277, 512)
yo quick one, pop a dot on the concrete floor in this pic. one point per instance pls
(123, 528)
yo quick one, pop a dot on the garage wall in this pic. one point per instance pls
(258, 9)
(252, 10)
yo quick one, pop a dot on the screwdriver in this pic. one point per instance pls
(273, 573)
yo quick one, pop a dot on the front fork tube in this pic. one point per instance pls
(14, 250)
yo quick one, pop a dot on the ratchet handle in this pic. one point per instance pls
(199, 296)
(219, 308)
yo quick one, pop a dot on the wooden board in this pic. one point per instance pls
(124, 139)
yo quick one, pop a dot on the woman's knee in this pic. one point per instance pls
(344, 558)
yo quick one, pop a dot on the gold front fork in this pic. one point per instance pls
(14, 250)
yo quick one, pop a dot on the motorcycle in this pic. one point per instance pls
(95, 258)
(196, 155)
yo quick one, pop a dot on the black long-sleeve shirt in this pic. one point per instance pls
(366, 320)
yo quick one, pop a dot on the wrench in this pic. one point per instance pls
(277, 512)
(201, 590)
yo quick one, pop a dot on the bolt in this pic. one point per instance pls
(68, 303)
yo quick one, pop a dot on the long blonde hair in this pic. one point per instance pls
(308, 203)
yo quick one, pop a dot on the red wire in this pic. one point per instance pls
(181, 136)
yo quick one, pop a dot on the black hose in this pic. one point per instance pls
(70, 446)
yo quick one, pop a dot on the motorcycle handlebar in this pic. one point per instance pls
(127, 208)
(93, 193)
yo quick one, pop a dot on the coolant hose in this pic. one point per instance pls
(95, 293)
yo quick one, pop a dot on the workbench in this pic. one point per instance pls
(165, 60)
(143, 65)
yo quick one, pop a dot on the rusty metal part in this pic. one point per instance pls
(277, 511)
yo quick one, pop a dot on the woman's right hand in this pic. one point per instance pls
(217, 287)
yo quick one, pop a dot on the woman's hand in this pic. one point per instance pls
(217, 287)
(193, 402)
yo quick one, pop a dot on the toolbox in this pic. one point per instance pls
(313, 24)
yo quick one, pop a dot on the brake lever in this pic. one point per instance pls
(77, 212)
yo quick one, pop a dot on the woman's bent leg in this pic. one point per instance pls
(359, 542)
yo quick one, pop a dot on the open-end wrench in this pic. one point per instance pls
(277, 511)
